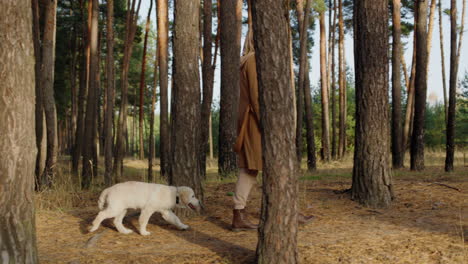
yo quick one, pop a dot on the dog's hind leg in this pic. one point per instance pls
(143, 221)
(170, 217)
(118, 223)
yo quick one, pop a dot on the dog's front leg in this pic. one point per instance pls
(143, 221)
(170, 217)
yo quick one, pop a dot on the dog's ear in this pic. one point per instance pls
(184, 195)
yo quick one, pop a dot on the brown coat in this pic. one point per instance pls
(248, 144)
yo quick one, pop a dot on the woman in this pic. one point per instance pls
(248, 144)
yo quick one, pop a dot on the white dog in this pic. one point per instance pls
(148, 197)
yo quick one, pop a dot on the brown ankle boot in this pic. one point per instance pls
(240, 221)
(303, 219)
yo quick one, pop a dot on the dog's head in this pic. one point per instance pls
(187, 199)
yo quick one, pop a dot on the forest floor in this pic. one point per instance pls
(427, 222)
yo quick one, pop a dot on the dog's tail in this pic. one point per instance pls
(102, 199)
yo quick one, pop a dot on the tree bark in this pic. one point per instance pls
(324, 88)
(151, 133)
(120, 148)
(230, 22)
(142, 80)
(110, 95)
(372, 181)
(442, 61)
(47, 84)
(417, 138)
(342, 84)
(91, 107)
(208, 77)
(450, 148)
(278, 223)
(163, 29)
(397, 130)
(185, 109)
(18, 152)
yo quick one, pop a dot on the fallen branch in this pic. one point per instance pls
(445, 185)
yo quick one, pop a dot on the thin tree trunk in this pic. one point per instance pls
(302, 72)
(311, 157)
(142, 79)
(300, 86)
(442, 57)
(110, 91)
(417, 137)
(450, 148)
(47, 84)
(397, 130)
(151, 146)
(230, 22)
(342, 84)
(39, 104)
(185, 111)
(333, 86)
(91, 106)
(18, 151)
(208, 78)
(324, 88)
(73, 86)
(163, 29)
(462, 29)
(407, 128)
(372, 181)
(429, 31)
(278, 227)
(120, 149)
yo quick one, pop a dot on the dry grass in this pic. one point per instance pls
(427, 223)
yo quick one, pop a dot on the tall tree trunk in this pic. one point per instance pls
(450, 148)
(300, 86)
(208, 78)
(120, 148)
(18, 151)
(417, 137)
(185, 111)
(47, 84)
(110, 95)
(409, 114)
(462, 29)
(430, 29)
(73, 87)
(151, 146)
(397, 130)
(91, 106)
(230, 22)
(278, 227)
(163, 29)
(372, 180)
(324, 88)
(311, 157)
(39, 104)
(82, 94)
(333, 85)
(442, 61)
(342, 84)
(142, 79)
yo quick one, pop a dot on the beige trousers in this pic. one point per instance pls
(245, 181)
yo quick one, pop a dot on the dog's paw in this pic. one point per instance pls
(184, 227)
(92, 229)
(145, 233)
(126, 231)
